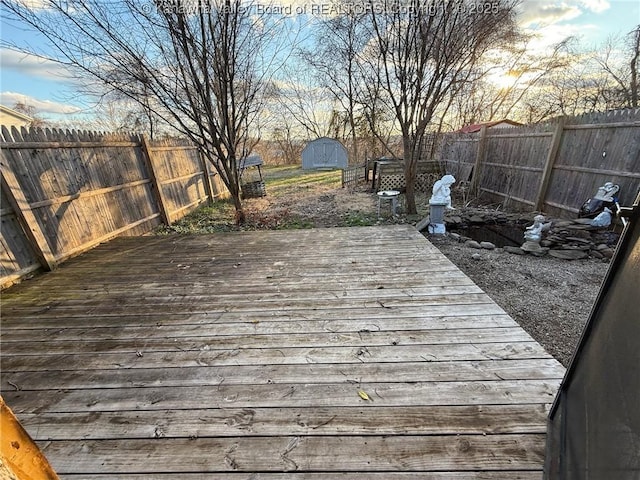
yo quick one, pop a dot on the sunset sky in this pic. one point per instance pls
(45, 85)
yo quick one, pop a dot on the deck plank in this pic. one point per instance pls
(304, 453)
(244, 355)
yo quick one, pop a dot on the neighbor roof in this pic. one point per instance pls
(15, 114)
(476, 127)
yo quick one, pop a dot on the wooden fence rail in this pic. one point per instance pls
(63, 192)
(552, 167)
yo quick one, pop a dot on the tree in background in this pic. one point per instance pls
(620, 69)
(335, 59)
(301, 100)
(423, 51)
(199, 66)
(604, 78)
(30, 111)
(508, 84)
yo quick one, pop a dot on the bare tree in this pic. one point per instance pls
(301, 99)
(198, 65)
(338, 41)
(30, 111)
(424, 50)
(621, 69)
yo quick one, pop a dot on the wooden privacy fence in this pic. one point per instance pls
(552, 167)
(65, 192)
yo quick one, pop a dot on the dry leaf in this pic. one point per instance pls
(364, 396)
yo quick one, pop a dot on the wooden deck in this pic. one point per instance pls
(247, 355)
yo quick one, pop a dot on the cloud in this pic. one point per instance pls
(42, 106)
(549, 12)
(548, 36)
(33, 65)
(596, 6)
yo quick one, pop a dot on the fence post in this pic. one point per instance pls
(554, 148)
(476, 179)
(155, 184)
(26, 217)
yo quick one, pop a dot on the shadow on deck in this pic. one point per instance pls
(318, 354)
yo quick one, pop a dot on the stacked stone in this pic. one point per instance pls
(566, 239)
(576, 239)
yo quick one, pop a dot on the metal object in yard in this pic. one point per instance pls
(390, 196)
(251, 181)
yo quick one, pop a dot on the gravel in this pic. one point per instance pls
(550, 298)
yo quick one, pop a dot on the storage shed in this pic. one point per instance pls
(324, 153)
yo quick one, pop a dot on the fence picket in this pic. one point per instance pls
(552, 167)
(67, 191)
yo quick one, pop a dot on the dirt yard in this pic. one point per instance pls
(549, 297)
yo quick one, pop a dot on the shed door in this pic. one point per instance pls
(325, 155)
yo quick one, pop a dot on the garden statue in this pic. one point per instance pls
(605, 197)
(603, 219)
(607, 192)
(440, 200)
(533, 235)
(442, 191)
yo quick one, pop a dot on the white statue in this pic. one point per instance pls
(533, 233)
(442, 191)
(603, 219)
(607, 192)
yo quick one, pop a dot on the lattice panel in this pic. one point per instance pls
(424, 182)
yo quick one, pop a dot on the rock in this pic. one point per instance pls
(607, 252)
(476, 219)
(568, 246)
(602, 246)
(454, 219)
(568, 254)
(546, 243)
(531, 247)
(487, 245)
(454, 236)
(476, 256)
(562, 223)
(472, 244)
(514, 250)
(577, 227)
(579, 234)
(577, 239)
(596, 254)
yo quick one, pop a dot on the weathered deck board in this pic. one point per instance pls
(232, 422)
(242, 356)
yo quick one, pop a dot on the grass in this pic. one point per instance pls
(267, 213)
(280, 182)
(359, 219)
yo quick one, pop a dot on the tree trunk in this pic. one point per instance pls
(410, 172)
(237, 203)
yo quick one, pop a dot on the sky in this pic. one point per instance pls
(46, 86)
